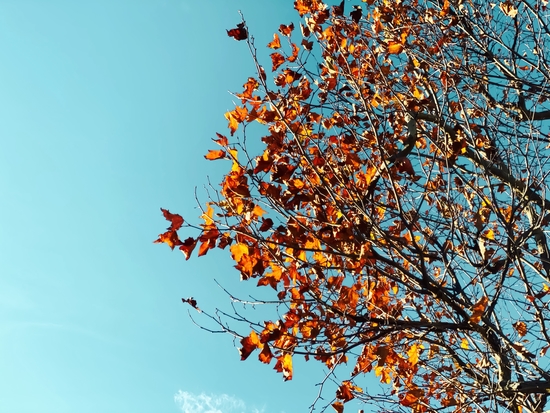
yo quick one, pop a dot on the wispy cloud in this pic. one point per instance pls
(212, 403)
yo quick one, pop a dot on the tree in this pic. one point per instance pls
(398, 203)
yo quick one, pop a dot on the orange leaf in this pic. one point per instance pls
(249, 344)
(377, 27)
(249, 87)
(205, 246)
(235, 117)
(344, 392)
(478, 309)
(169, 237)
(339, 407)
(395, 48)
(258, 211)
(277, 59)
(302, 6)
(238, 250)
(521, 328)
(265, 356)
(284, 365)
(412, 397)
(214, 154)
(276, 43)
(295, 51)
(222, 140)
(233, 124)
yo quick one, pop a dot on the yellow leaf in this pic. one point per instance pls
(235, 156)
(418, 94)
(464, 344)
(413, 354)
(233, 124)
(490, 234)
(207, 216)
(395, 48)
(238, 250)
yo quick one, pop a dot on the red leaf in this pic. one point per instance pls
(238, 33)
(222, 140)
(188, 246)
(338, 10)
(404, 165)
(286, 30)
(266, 224)
(175, 219)
(356, 14)
(192, 302)
(277, 59)
(307, 45)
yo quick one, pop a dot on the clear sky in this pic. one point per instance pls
(106, 110)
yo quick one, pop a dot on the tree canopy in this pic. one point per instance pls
(395, 196)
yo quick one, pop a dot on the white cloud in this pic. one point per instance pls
(211, 403)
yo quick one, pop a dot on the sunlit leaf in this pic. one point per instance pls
(249, 344)
(478, 309)
(276, 43)
(215, 154)
(395, 48)
(238, 250)
(284, 365)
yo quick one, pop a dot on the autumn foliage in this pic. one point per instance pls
(398, 204)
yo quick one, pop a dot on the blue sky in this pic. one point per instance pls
(106, 110)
